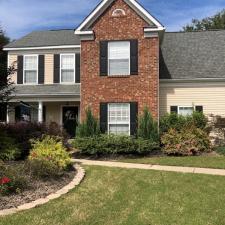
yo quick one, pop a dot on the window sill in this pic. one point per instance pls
(119, 76)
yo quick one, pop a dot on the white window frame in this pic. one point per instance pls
(74, 73)
(109, 58)
(178, 108)
(34, 83)
(116, 123)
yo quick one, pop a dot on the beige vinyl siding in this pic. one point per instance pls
(210, 95)
(12, 61)
(49, 65)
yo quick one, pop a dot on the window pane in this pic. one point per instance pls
(119, 113)
(119, 57)
(30, 76)
(119, 67)
(30, 62)
(67, 76)
(118, 129)
(119, 50)
(67, 61)
(185, 111)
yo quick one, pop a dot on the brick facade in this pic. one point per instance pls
(142, 88)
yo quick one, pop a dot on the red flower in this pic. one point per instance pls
(4, 180)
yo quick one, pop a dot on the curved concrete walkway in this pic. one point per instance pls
(194, 170)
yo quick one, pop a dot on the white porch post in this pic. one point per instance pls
(7, 114)
(40, 112)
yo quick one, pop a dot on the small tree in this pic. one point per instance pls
(90, 127)
(148, 127)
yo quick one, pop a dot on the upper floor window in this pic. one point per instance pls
(67, 68)
(30, 69)
(119, 118)
(119, 58)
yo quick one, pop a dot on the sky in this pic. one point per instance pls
(19, 17)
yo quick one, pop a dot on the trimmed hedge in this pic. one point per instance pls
(112, 144)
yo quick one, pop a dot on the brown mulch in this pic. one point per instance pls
(37, 189)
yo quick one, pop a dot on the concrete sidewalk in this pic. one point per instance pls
(194, 170)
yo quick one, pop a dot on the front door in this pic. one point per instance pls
(70, 117)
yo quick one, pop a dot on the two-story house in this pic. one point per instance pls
(118, 60)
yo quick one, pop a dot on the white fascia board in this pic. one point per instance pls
(91, 16)
(133, 2)
(154, 29)
(44, 47)
(147, 14)
(78, 32)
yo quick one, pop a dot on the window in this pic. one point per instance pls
(30, 69)
(119, 118)
(185, 111)
(67, 68)
(119, 58)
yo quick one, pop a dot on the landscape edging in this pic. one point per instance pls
(75, 182)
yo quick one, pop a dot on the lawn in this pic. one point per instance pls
(217, 162)
(111, 196)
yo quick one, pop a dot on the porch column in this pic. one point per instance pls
(40, 112)
(7, 114)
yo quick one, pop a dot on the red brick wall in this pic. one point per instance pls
(142, 88)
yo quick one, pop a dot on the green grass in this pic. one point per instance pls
(111, 196)
(217, 162)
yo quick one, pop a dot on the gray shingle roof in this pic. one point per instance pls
(46, 38)
(47, 90)
(193, 55)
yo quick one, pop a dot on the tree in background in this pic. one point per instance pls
(209, 23)
(6, 84)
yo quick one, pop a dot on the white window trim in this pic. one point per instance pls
(178, 108)
(74, 73)
(120, 123)
(34, 83)
(111, 75)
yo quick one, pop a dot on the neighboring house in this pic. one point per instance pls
(118, 61)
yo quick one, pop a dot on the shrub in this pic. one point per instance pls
(112, 144)
(22, 132)
(89, 127)
(12, 179)
(48, 157)
(8, 149)
(177, 122)
(148, 128)
(187, 141)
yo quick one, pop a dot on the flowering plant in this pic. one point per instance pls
(4, 185)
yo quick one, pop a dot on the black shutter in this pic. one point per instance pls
(20, 69)
(17, 113)
(199, 108)
(133, 118)
(3, 112)
(103, 117)
(174, 109)
(44, 113)
(103, 58)
(134, 57)
(56, 68)
(77, 68)
(41, 69)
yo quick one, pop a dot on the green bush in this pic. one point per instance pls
(12, 179)
(113, 144)
(90, 127)
(8, 149)
(220, 150)
(175, 121)
(185, 142)
(147, 127)
(48, 157)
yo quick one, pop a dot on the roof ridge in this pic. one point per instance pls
(195, 31)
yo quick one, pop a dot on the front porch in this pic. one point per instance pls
(64, 113)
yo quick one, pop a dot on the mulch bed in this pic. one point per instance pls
(37, 189)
